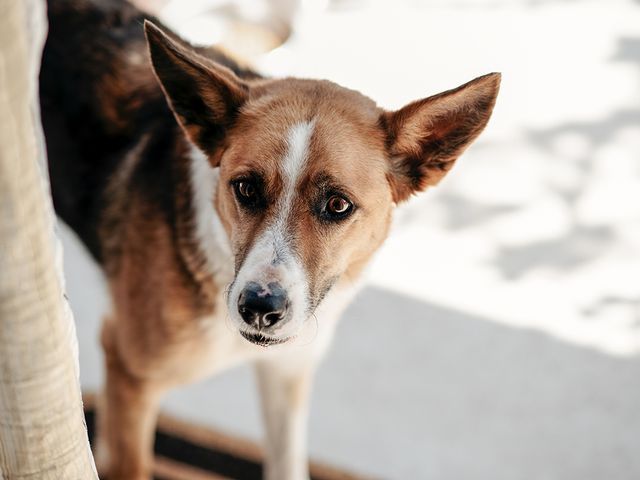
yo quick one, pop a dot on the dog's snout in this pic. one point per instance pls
(262, 306)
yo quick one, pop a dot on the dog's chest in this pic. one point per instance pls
(214, 344)
(210, 345)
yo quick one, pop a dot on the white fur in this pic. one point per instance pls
(291, 167)
(285, 406)
(272, 259)
(210, 233)
(296, 156)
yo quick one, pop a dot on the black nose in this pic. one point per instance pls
(262, 307)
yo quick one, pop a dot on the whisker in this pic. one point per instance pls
(227, 291)
(315, 333)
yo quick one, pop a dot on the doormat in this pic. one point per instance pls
(184, 451)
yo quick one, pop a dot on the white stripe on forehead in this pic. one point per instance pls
(298, 139)
(293, 162)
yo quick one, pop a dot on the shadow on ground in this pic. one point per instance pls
(468, 398)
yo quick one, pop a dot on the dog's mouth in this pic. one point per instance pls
(263, 340)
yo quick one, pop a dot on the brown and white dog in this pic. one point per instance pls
(232, 214)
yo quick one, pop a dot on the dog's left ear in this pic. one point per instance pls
(426, 137)
(204, 95)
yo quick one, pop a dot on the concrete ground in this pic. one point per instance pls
(499, 334)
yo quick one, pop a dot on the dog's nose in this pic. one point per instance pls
(262, 307)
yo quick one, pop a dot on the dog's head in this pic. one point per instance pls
(309, 173)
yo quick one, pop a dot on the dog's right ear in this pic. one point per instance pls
(204, 95)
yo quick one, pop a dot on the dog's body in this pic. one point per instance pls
(244, 224)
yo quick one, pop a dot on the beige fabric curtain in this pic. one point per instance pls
(42, 430)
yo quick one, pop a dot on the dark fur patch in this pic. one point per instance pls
(204, 96)
(99, 97)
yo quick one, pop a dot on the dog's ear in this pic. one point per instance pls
(426, 137)
(205, 96)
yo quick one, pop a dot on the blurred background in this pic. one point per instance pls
(498, 335)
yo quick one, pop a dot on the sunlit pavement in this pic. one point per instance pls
(500, 335)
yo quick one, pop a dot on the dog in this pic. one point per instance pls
(232, 214)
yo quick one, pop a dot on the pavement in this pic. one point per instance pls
(498, 336)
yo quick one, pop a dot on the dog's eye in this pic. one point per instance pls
(248, 193)
(338, 207)
(246, 190)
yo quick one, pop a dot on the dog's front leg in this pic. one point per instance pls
(126, 416)
(284, 392)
